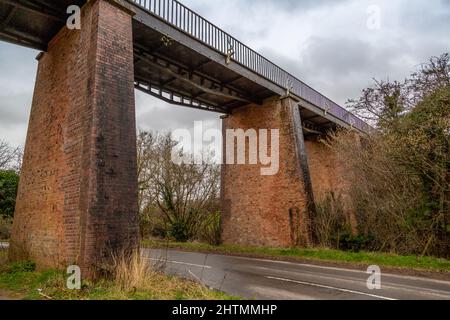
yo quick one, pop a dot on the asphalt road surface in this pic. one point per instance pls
(278, 280)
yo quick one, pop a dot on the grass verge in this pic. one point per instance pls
(21, 280)
(324, 255)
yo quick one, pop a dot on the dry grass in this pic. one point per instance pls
(5, 227)
(131, 272)
(3, 256)
(136, 274)
(134, 278)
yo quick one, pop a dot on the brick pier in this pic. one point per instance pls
(278, 210)
(77, 199)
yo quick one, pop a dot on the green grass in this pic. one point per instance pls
(326, 255)
(19, 280)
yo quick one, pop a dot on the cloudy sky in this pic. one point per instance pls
(335, 46)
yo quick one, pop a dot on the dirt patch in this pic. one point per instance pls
(9, 295)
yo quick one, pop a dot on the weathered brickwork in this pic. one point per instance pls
(77, 198)
(329, 174)
(325, 170)
(272, 210)
(265, 210)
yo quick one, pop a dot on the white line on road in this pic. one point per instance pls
(184, 263)
(423, 278)
(329, 287)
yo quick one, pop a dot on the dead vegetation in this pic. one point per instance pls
(400, 173)
(133, 278)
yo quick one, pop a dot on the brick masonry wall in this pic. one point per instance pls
(328, 174)
(77, 198)
(264, 210)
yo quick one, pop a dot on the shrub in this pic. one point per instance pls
(180, 231)
(330, 221)
(175, 198)
(355, 243)
(9, 181)
(5, 227)
(21, 266)
(400, 177)
(211, 230)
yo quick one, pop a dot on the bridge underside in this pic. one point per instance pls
(33, 23)
(180, 71)
(173, 72)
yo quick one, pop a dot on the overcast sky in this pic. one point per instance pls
(335, 46)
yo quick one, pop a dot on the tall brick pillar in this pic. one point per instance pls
(271, 210)
(77, 198)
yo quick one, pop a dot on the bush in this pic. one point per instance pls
(333, 228)
(9, 181)
(330, 222)
(399, 176)
(175, 198)
(21, 266)
(5, 227)
(180, 231)
(211, 230)
(353, 243)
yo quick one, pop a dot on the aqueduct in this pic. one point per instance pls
(77, 197)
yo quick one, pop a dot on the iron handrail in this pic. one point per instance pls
(186, 20)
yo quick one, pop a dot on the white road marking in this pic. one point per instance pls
(402, 287)
(329, 287)
(339, 269)
(184, 263)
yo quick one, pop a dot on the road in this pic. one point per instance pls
(278, 280)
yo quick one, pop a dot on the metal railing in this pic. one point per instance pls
(186, 20)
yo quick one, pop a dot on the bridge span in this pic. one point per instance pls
(192, 62)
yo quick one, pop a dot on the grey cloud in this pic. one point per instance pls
(341, 67)
(256, 15)
(14, 109)
(435, 23)
(298, 4)
(17, 77)
(202, 7)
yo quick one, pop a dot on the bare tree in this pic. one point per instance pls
(432, 75)
(183, 194)
(384, 102)
(10, 158)
(400, 174)
(145, 160)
